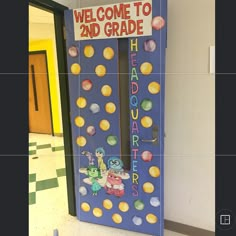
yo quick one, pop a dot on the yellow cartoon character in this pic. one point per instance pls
(100, 153)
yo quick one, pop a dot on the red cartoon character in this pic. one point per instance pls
(114, 185)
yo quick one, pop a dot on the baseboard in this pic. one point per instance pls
(58, 134)
(187, 229)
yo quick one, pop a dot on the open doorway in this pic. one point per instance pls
(51, 174)
(43, 75)
(47, 172)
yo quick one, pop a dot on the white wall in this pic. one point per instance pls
(39, 31)
(68, 3)
(86, 3)
(190, 114)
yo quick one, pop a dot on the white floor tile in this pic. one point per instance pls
(44, 167)
(40, 138)
(32, 148)
(32, 187)
(59, 160)
(171, 233)
(57, 142)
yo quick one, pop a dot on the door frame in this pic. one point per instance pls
(58, 11)
(44, 52)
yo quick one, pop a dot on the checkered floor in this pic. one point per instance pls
(46, 164)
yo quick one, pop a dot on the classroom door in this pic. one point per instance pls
(116, 89)
(39, 98)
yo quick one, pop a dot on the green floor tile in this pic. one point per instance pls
(61, 172)
(46, 184)
(32, 178)
(60, 148)
(32, 152)
(44, 146)
(32, 144)
(32, 198)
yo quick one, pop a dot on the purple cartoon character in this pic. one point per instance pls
(89, 155)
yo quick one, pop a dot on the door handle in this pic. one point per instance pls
(34, 89)
(149, 140)
(154, 139)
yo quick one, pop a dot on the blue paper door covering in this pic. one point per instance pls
(108, 192)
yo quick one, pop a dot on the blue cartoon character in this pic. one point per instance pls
(94, 174)
(115, 164)
(100, 153)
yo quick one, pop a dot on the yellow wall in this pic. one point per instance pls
(47, 45)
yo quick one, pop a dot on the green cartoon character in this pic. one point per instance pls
(94, 174)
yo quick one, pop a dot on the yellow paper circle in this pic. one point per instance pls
(146, 121)
(107, 204)
(100, 70)
(97, 212)
(75, 69)
(154, 87)
(117, 218)
(81, 141)
(146, 68)
(148, 187)
(154, 171)
(123, 206)
(108, 53)
(85, 206)
(110, 107)
(106, 90)
(151, 218)
(88, 51)
(104, 125)
(81, 102)
(79, 121)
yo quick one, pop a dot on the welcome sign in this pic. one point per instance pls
(113, 21)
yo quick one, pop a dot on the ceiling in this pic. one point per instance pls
(37, 15)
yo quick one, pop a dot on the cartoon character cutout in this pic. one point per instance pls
(115, 164)
(89, 155)
(100, 153)
(114, 185)
(94, 174)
